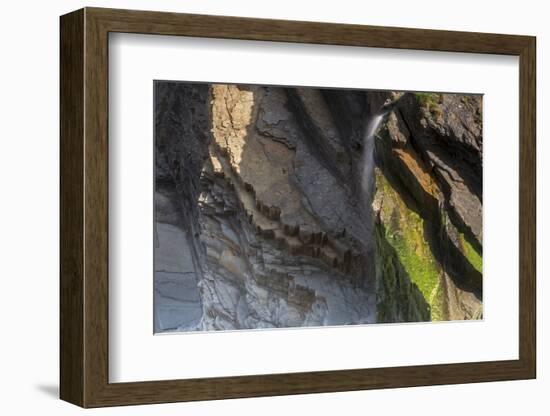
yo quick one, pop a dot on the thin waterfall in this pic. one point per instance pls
(367, 195)
(367, 179)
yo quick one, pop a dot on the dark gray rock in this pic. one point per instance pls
(448, 137)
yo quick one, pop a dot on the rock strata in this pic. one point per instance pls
(429, 153)
(263, 197)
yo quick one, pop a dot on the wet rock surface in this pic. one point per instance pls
(267, 217)
(429, 153)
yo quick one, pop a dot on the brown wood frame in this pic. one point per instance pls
(84, 210)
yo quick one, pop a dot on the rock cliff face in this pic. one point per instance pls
(428, 208)
(283, 207)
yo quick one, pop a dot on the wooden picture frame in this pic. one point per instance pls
(84, 207)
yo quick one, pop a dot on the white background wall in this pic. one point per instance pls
(29, 208)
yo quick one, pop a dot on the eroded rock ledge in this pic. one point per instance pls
(266, 187)
(429, 184)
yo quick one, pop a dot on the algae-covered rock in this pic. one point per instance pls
(428, 151)
(282, 207)
(409, 283)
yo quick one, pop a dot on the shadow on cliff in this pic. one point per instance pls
(349, 112)
(181, 140)
(452, 153)
(398, 298)
(299, 133)
(182, 130)
(452, 260)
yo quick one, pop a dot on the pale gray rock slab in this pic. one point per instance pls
(172, 253)
(177, 300)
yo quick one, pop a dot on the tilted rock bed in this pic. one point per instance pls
(283, 227)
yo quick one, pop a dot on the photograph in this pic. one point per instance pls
(292, 206)
(285, 202)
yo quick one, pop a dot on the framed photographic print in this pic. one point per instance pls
(261, 207)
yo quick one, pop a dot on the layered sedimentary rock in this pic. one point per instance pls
(182, 123)
(428, 207)
(306, 207)
(281, 234)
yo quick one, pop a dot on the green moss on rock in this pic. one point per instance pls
(471, 254)
(403, 230)
(430, 101)
(427, 99)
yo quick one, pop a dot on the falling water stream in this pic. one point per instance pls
(367, 179)
(368, 189)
